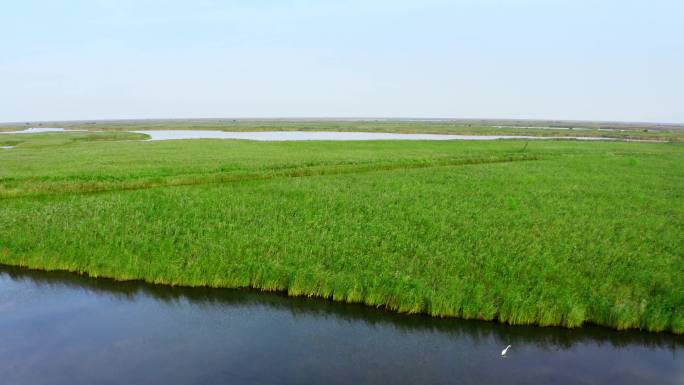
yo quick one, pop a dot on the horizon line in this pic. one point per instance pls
(345, 118)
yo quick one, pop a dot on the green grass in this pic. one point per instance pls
(548, 233)
(63, 139)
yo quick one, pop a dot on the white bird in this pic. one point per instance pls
(503, 352)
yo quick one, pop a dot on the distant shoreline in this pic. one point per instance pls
(519, 123)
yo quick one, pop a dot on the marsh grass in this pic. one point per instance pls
(13, 188)
(65, 138)
(575, 233)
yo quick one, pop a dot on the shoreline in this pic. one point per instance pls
(287, 292)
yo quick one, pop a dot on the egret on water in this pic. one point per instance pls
(503, 352)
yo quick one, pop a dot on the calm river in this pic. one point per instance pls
(59, 328)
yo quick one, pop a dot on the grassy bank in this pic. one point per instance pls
(58, 139)
(549, 233)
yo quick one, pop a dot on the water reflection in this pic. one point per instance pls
(219, 298)
(58, 327)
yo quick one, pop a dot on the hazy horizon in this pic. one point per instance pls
(337, 118)
(616, 61)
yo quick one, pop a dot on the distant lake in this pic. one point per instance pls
(37, 130)
(281, 136)
(277, 136)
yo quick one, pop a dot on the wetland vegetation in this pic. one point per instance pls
(544, 232)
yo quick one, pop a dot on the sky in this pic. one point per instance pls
(520, 59)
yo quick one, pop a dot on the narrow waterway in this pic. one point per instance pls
(60, 328)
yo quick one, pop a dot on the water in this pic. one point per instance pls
(58, 328)
(38, 130)
(279, 136)
(322, 135)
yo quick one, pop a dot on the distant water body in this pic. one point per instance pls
(282, 136)
(37, 130)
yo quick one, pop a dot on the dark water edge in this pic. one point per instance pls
(63, 328)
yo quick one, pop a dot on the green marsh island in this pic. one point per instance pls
(542, 232)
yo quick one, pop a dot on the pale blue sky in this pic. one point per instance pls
(581, 59)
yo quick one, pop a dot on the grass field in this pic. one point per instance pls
(547, 232)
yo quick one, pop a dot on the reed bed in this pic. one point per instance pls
(545, 233)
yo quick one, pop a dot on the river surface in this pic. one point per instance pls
(59, 328)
